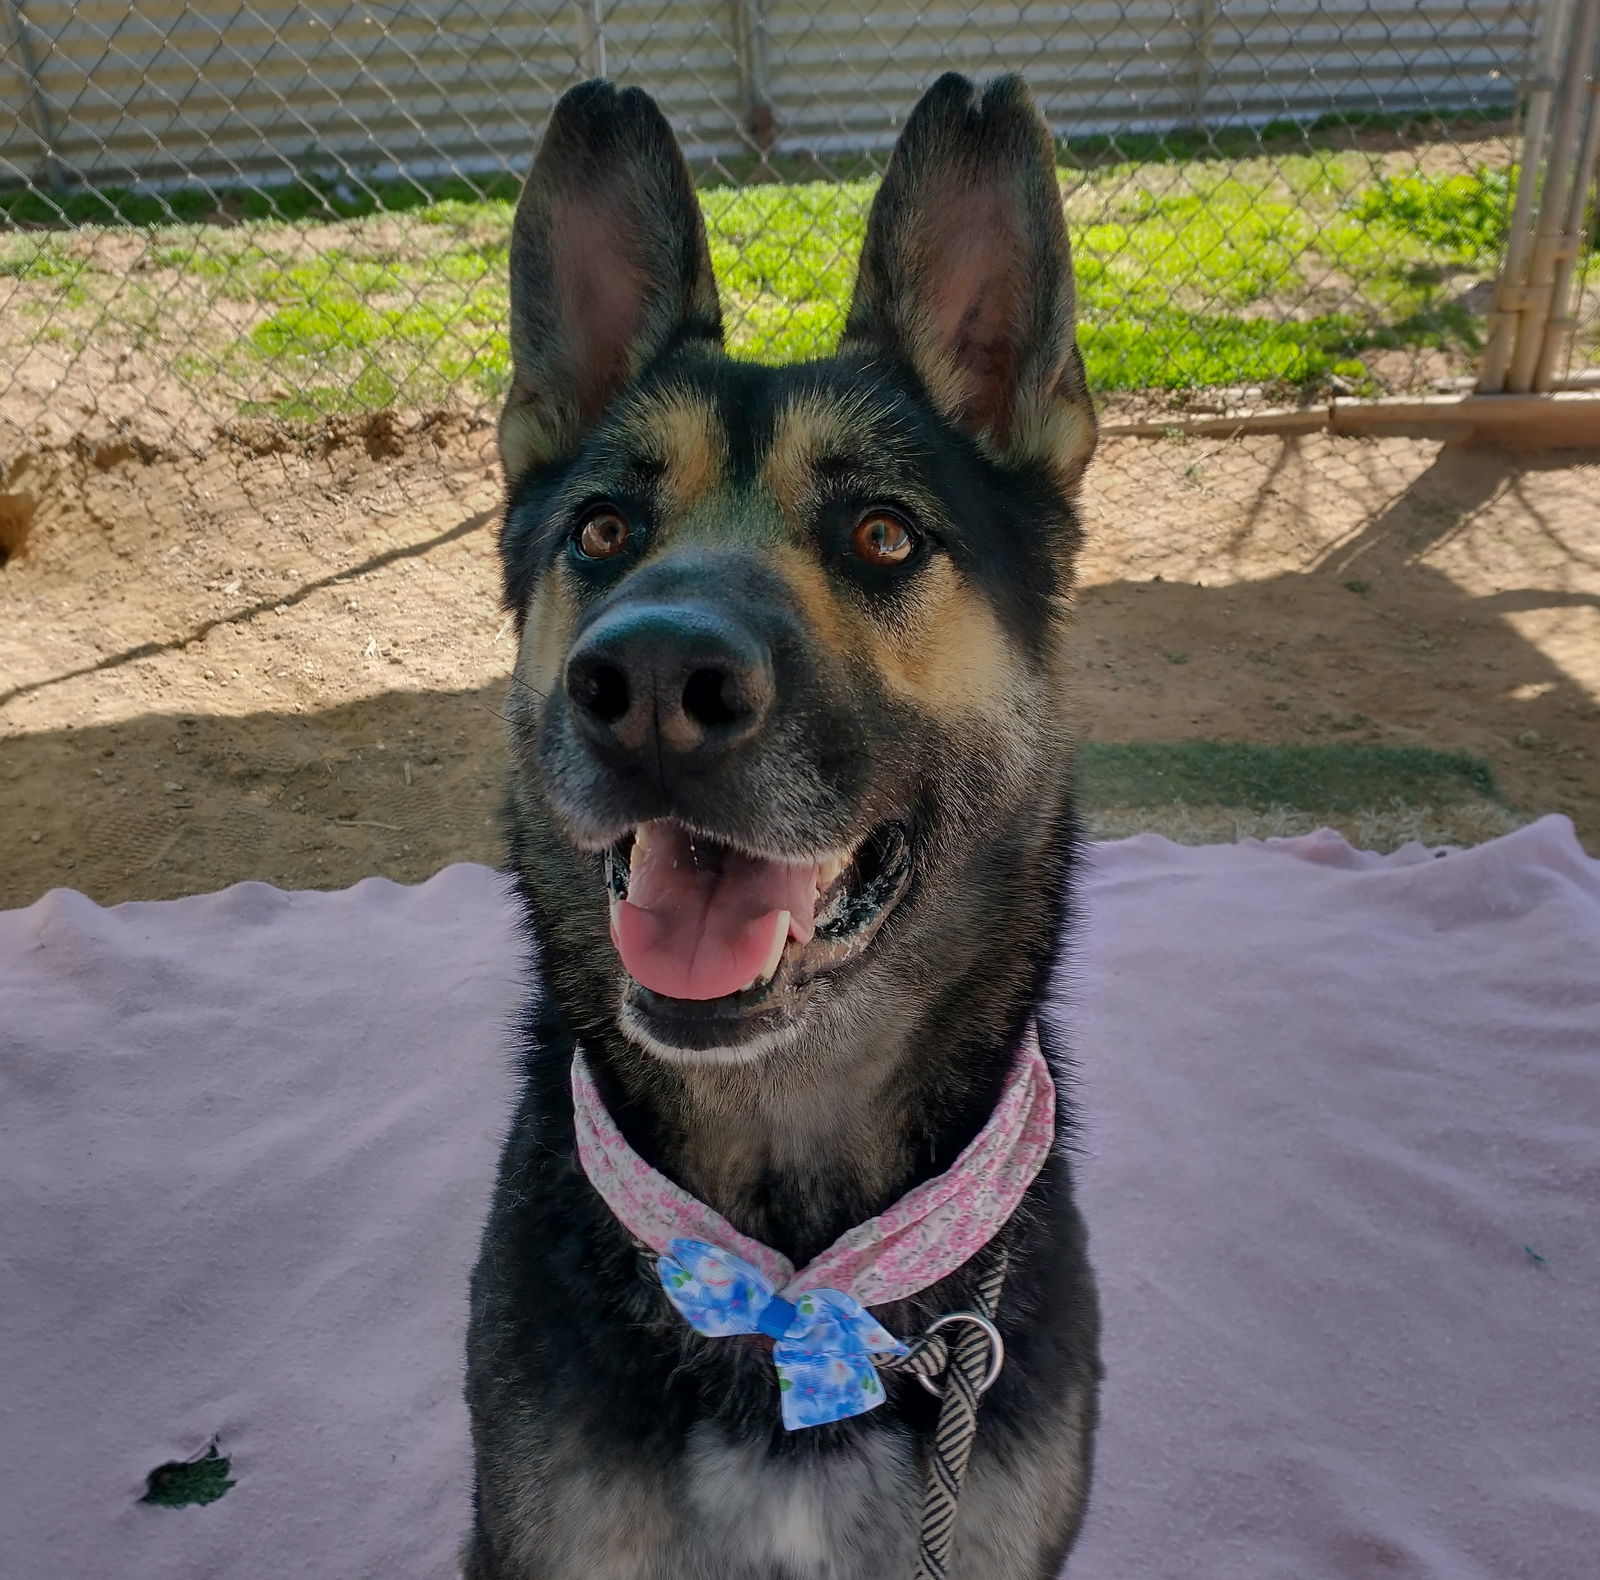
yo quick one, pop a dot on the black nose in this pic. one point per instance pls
(651, 679)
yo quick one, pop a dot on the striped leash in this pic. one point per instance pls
(969, 1363)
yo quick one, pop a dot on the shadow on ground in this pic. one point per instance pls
(1370, 646)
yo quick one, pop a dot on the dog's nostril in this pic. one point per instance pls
(601, 689)
(710, 698)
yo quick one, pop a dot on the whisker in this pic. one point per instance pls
(533, 691)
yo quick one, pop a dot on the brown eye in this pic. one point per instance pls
(602, 536)
(883, 538)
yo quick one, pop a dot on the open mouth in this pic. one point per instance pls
(720, 945)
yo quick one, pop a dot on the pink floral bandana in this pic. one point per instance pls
(925, 1236)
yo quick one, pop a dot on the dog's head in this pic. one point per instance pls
(787, 720)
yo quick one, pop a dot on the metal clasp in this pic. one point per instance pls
(997, 1348)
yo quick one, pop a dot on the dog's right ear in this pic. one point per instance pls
(609, 267)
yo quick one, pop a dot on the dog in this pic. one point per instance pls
(791, 824)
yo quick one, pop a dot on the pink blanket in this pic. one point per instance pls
(1341, 1161)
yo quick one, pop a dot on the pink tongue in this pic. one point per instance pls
(701, 924)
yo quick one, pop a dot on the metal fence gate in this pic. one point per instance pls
(221, 211)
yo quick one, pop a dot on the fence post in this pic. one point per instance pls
(52, 174)
(591, 38)
(1511, 293)
(1560, 322)
(750, 48)
(1204, 31)
(1572, 97)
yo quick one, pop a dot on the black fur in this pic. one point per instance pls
(600, 1419)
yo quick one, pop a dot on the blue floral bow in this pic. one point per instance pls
(824, 1340)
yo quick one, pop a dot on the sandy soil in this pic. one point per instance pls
(285, 661)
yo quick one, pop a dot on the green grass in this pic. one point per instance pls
(36, 258)
(306, 197)
(1309, 778)
(1455, 220)
(1281, 268)
(1172, 283)
(1285, 136)
(785, 259)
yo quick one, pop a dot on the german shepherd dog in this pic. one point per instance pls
(792, 646)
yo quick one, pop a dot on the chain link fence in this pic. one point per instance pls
(215, 212)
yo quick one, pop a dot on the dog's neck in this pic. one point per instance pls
(794, 1148)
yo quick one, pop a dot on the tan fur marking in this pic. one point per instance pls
(818, 602)
(1062, 435)
(546, 635)
(949, 653)
(946, 653)
(521, 440)
(681, 431)
(806, 430)
(947, 382)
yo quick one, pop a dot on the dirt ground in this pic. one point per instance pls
(285, 660)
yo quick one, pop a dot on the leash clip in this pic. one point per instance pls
(997, 1348)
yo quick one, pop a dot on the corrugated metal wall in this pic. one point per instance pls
(844, 80)
(155, 90)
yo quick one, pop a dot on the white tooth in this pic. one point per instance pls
(636, 855)
(780, 936)
(828, 869)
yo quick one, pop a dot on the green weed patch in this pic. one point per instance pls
(1308, 778)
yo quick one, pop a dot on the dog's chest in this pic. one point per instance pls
(836, 1516)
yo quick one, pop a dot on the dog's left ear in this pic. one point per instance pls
(966, 275)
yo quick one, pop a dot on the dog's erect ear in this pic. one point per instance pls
(609, 266)
(966, 275)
